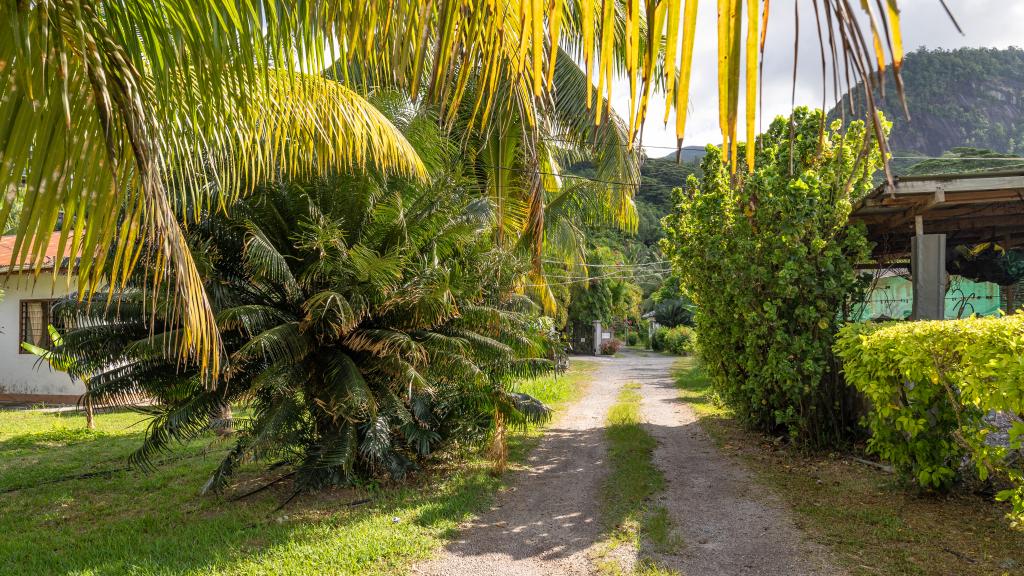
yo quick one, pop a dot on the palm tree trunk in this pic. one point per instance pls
(90, 424)
(224, 425)
(499, 447)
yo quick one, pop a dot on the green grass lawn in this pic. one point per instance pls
(873, 524)
(57, 520)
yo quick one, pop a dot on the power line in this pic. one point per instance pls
(632, 265)
(619, 275)
(576, 176)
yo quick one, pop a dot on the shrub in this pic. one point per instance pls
(359, 342)
(768, 260)
(679, 340)
(658, 339)
(632, 339)
(610, 347)
(930, 384)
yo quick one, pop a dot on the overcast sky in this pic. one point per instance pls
(991, 23)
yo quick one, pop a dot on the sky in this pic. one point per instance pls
(989, 23)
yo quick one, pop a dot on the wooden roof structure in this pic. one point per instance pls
(968, 208)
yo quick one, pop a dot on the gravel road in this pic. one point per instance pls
(547, 522)
(730, 525)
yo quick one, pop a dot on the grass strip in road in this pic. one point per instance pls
(129, 522)
(632, 481)
(873, 525)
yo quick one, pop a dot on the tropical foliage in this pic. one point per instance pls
(671, 306)
(367, 322)
(931, 387)
(609, 294)
(117, 110)
(680, 340)
(769, 264)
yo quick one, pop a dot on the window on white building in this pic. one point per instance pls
(33, 320)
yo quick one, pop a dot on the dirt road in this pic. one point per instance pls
(548, 522)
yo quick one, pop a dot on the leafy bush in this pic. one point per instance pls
(658, 339)
(610, 347)
(632, 339)
(768, 259)
(679, 340)
(930, 384)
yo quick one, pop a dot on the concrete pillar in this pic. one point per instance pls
(597, 337)
(928, 268)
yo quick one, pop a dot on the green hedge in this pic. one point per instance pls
(930, 385)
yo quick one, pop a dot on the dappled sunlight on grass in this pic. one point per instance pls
(72, 506)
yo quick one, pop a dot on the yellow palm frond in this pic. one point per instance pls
(116, 115)
(606, 37)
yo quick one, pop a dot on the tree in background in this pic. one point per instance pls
(610, 295)
(670, 304)
(768, 259)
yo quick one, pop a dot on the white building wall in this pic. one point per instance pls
(24, 373)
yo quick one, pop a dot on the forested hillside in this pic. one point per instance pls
(967, 97)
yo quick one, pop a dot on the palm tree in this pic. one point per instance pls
(367, 322)
(115, 110)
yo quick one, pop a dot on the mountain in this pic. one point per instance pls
(969, 97)
(693, 154)
(658, 176)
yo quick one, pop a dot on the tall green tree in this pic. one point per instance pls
(769, 258)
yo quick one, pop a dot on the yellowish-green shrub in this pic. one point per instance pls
(930, 385)
(680, 340)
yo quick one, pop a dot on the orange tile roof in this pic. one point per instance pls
(7, 250)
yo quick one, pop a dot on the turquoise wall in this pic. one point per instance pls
(892, 297)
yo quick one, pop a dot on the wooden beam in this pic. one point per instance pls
(1012, 222)
(941, 213)
(965, 184)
